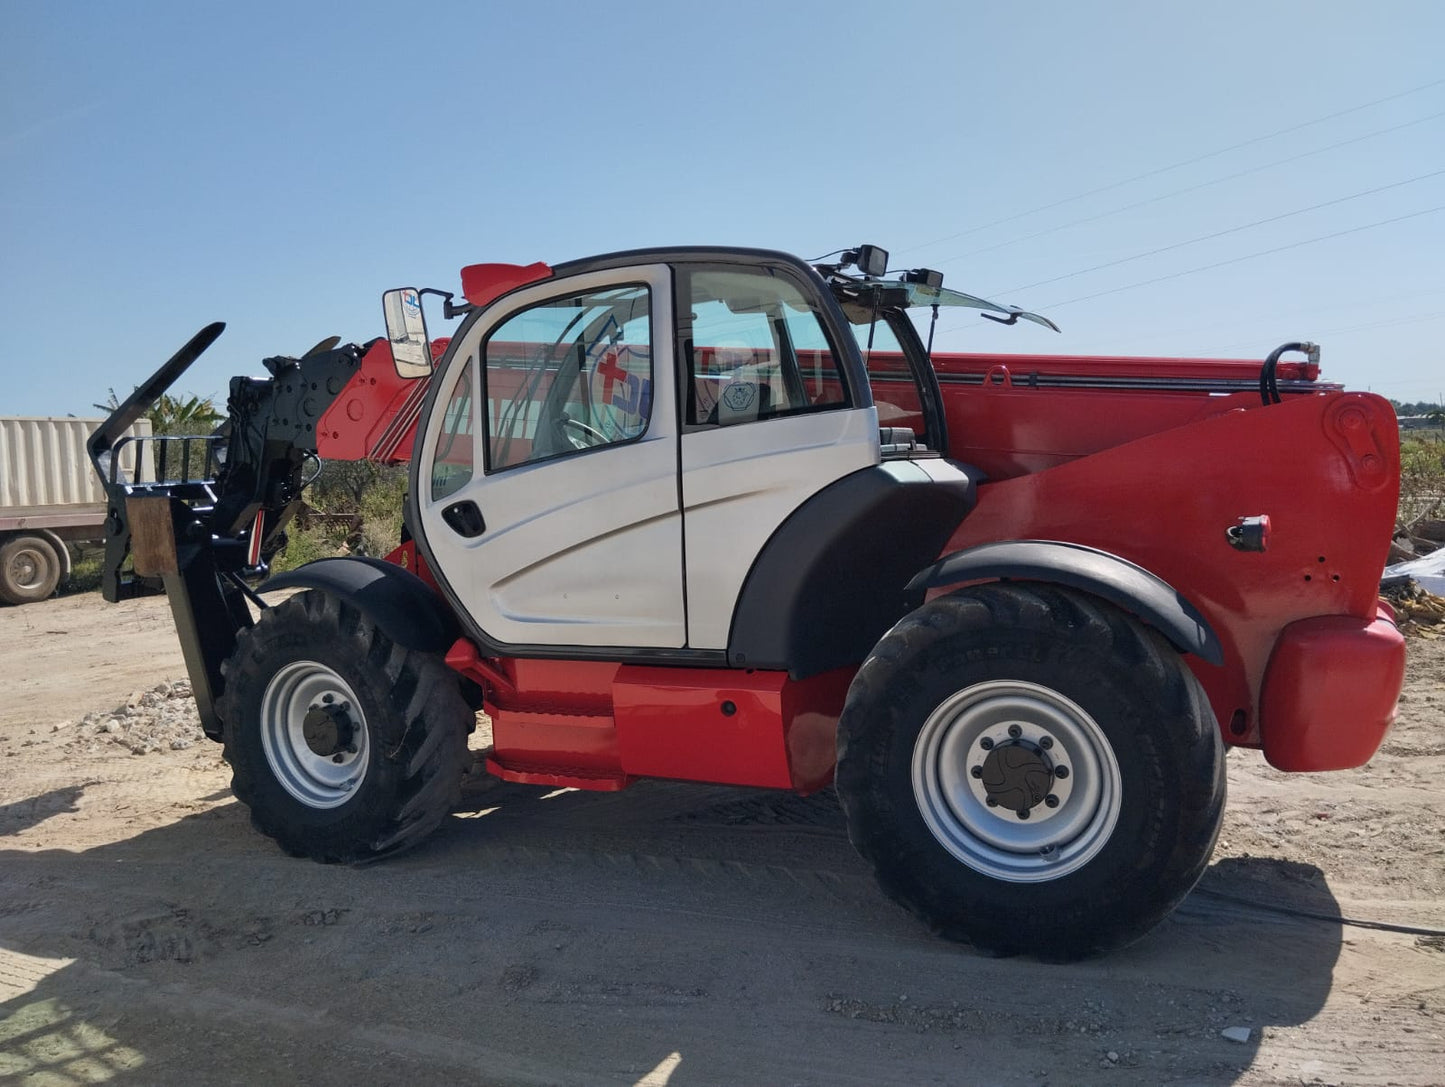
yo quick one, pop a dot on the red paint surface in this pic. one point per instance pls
(673, 723)
(595, 725)
(481, 283)
(1330, 692)
(1021, 367)
(1165, 500)
(374, 416)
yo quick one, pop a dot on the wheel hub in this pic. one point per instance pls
(1016, 780)
(25, 570)
(1017, 777)
(314, 734)
(329, 729)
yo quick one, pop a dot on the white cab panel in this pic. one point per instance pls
(584, 549)
(739, 484)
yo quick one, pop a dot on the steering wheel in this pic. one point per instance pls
(581, 434)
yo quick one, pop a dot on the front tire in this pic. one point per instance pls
(345, 745)
(1031, 770)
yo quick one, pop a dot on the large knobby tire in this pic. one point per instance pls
(1029, 769)
(30, 569)
(345, 745)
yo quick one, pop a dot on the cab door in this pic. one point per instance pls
(548, 468)
(770, 418)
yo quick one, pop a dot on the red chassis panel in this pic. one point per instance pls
(1165, 500)
(1329, 694)
(599, 725)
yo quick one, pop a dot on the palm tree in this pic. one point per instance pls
(174, 414)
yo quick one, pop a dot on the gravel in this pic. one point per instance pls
(163, 718)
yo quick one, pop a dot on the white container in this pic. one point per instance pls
(44, 469)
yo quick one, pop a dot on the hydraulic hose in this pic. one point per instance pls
(1268, 382)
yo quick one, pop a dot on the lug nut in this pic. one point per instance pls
(1015, 731)
(1051, 800)
(328, 698)
(986, 744)
(992, 802)
(1046, 742)
(338, 757)
(1023, 813)
(1061, 771)
(977, 771)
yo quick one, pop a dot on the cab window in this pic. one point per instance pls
(568, 375)
(452, 462)
(895, 390)
(754, 347)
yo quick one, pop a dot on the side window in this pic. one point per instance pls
(567, 375)
(452, 463)
(895, 392)
(757, 350)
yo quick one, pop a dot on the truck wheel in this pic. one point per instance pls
(1029, 769)
(29, 569)
(344, 745)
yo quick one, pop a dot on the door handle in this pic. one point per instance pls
(464, 518)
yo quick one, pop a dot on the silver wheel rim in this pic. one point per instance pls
(316, 778)
(1044, 729)
(28, 568)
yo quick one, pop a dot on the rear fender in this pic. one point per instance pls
(403, 607)
(1089, 570)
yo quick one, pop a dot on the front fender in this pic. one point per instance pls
(1088, 569)
(401, 604)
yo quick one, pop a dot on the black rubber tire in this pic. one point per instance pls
(30, 569)
(1153, 715)
(417, 728)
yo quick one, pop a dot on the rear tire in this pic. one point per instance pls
(1031, 770)
(30, 569)
(345, 745)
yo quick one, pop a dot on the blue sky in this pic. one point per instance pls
(279, 166)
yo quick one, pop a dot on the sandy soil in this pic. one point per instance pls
(669, 934)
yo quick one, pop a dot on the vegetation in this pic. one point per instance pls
(175, 414)
(344, 492)
(1422, 481)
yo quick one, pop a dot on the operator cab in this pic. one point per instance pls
(648, 455)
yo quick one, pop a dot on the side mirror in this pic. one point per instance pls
(406, 331)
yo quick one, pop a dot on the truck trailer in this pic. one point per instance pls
(50, 500)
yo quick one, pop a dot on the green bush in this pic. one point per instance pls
(375, 492)
(1422, 481)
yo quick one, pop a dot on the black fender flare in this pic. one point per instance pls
(829, 581)
(1105, 575)
(405, 608)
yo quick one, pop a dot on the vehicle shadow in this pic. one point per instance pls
(669, 934)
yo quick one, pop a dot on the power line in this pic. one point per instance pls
(1223, 233)
(1182, 163)
(1233, 260)
(1249, 256)
(1273, 318)
(1195, 188)
(1410, 319)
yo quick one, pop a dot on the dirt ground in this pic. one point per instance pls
(669, 934)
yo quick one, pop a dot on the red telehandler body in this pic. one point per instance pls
(716, 515)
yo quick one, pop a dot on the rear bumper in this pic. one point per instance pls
(1330, 691)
